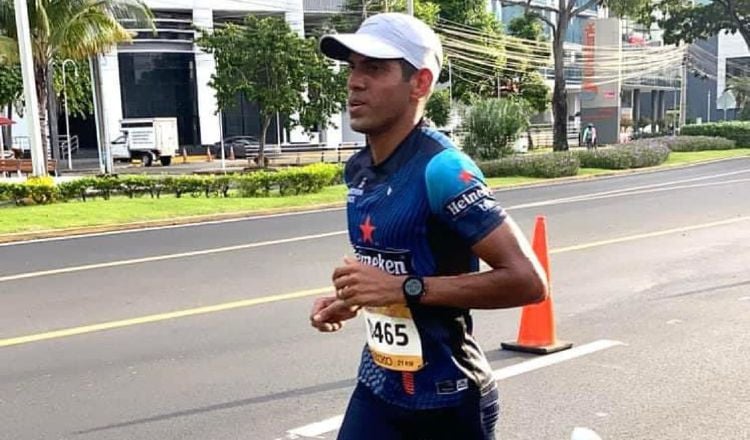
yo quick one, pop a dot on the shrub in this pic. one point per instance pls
(41, 190)
(639, 154)
(137, 185)
(738, 131)
(105, 185)
(181, 185)
(698, 143)
(548, 165)
(492, 126)
(438, 108)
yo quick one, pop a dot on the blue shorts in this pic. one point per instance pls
(370, 418)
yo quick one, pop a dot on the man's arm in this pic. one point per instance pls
(516, 278)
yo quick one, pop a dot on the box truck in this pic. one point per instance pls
(147, 139)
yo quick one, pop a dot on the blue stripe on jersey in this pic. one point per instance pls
(459, 197)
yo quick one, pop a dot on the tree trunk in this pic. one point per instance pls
(54, 129)
(8, 130)
(40, 73)
(262, 143)
(559, 94)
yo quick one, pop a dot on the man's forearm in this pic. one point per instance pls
(496, 289)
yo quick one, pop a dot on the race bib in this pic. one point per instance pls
(393, 338)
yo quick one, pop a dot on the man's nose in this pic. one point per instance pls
(355, 81)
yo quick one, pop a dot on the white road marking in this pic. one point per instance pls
(744, 298)
(584, 434)
(554, 358)
(590, 196)
(317, 429)
(621, 193)
(165, 257)
(674, 321)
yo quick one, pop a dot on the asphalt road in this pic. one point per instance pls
(654, 263)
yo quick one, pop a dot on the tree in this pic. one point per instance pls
(685, 21)
(522, 71)
(740, 88)
(558, 18)
(492, 125)
(75, 29)
(271, 65)
(438, 108)
(11, 89)
(79, 89)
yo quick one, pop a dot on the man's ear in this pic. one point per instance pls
(421, 84)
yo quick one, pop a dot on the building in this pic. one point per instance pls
(712, 62)
(165, 74)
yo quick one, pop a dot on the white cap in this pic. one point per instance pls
(389, 36)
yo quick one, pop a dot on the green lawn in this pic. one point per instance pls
(122, 210)
(697, 156)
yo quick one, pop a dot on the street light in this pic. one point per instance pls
(67, 120)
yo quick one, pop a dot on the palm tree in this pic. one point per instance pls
(740, 88)
(75, 29)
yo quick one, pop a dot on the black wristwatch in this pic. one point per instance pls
(413, 288)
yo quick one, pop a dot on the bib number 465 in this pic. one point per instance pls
(388, 332)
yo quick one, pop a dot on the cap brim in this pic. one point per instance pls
(340, 47)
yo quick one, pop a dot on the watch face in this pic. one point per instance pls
(413, 287)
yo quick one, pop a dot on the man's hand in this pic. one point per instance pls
(364, 285)
(329, 313)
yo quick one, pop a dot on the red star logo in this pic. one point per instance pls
(367, 229)
(465, 176)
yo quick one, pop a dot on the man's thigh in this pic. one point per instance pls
(476, 419)
(369, 418)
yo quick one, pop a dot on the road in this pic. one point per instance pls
(201, 331)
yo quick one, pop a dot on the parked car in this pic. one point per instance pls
(244, 147)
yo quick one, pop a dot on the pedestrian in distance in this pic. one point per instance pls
(420, 216)
(589, 136)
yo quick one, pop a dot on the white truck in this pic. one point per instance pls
(147, 139)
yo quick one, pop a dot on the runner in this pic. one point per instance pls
(420, 215)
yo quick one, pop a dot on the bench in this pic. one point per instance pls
(24, 166)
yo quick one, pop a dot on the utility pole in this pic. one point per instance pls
(410, 7)
(38, 155)
(683, 92)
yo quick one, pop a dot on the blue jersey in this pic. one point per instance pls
(420, 212)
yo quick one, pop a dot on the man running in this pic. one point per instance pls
(420, 217)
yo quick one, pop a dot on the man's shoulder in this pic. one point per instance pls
(355, 163)
(434, 142)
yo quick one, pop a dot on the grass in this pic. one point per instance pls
(121, 210)
(678, 158)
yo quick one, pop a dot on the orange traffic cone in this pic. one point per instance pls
(537, 331)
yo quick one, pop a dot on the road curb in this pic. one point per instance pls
(196, 220)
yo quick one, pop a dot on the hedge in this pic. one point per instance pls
(264, 183)
(638, 154)
(738, 131)
(698, 143)
(547, 165)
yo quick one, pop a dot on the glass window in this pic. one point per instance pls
(161, 85)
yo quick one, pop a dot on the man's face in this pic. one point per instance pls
(378, 94)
